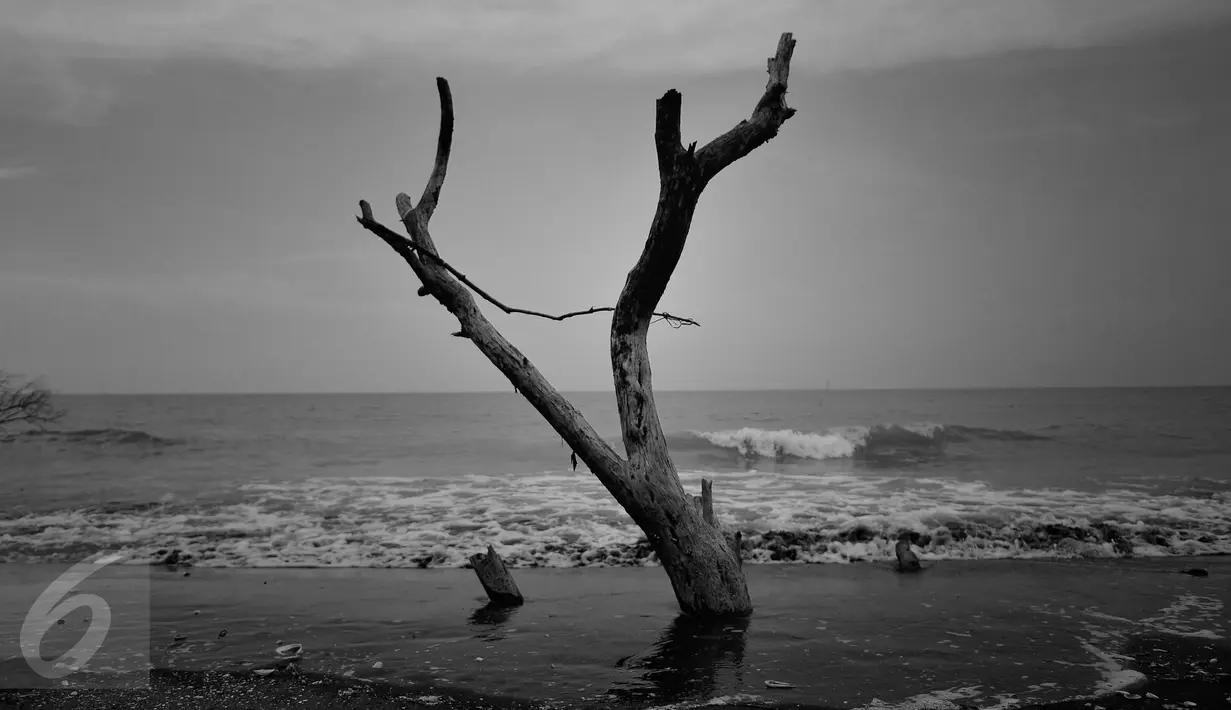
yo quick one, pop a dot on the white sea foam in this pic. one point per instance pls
(563, 519)
(786, 442)
(935, 700)
(836, 443)
(742, 699)
(1115, 676)
(1187, 615)
(1188, 612)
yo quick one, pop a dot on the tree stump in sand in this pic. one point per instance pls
(495, 578)
(707, 500)
(908, 561)
(705, 505)
(737, 547)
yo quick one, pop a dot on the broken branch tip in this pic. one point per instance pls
(404, 205)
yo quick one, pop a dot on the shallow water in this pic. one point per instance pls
(842, 635)
(425, 480)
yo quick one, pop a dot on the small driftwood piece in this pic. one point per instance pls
(908, 561)
(495, 578)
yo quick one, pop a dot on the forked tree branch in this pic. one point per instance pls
(415, 220)
(400, 243)
(683, 175)
(770, 113)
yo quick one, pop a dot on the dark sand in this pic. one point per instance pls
(989, 633)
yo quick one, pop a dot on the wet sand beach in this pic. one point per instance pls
(984, 634)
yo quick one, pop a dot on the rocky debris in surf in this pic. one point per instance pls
(783, 546)
(1121, 544)
(580, 554)
(966, 539)
(172, 558)
(857, 535)
(1167, 658)
(425, 561)
(858, 542)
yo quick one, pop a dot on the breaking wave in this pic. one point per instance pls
(560, 519)
(89, 437)
(852, 442)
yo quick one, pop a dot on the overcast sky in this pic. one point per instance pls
(974, 193)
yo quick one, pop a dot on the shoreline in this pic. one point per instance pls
(1045, 634)
(1180, 673)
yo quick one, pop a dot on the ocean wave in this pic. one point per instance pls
(567, 520)
(924, 440)
(90, 437)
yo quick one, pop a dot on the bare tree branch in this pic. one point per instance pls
(667, 131)
(439, 281)
(415, 220)
(25, 402)
(444, 143)
(684, 173)
(401, 244)
(768, 116)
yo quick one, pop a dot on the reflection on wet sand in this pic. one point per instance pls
(686, 660)
(492, 615)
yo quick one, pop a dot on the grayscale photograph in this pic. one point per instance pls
(615, 354)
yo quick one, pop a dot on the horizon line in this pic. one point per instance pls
(369, 393)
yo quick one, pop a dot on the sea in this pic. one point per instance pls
(426, 480)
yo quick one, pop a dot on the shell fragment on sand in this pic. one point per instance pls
(289, 651)
(778, 684)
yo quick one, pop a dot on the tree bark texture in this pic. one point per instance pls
(496, 579)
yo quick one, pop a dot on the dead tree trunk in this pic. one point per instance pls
(495, 578)
(703, 567)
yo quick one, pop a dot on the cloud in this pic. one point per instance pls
(16, 171)
(620, 36)
(631, 35)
